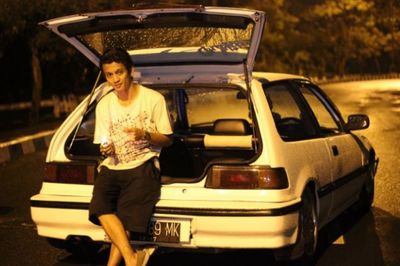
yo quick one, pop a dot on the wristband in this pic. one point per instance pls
(147, 136)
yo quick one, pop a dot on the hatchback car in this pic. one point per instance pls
(259, 160)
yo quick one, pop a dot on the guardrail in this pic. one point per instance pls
(60, 105)
(354, 77)
(14, 149)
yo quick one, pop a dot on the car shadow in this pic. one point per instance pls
(369, 239)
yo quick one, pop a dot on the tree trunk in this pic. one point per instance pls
(36, 85)
(377, 64)
(341, 67)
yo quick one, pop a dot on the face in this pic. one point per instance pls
(117, 76)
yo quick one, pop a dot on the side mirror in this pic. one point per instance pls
(357, 121)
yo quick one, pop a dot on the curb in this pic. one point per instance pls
(16, 148)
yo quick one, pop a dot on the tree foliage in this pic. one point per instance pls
(309, 37)
(331, 37)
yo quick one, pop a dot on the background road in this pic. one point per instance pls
(375, 239)
(370, 240)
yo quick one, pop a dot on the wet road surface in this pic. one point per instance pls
(373, 239)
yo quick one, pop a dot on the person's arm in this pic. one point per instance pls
(161, 136)
(154, 138)
(158, 139)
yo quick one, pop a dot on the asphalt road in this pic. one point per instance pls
(373, 239)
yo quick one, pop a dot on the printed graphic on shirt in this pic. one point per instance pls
(127, 149)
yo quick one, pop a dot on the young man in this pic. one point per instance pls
(132, 125)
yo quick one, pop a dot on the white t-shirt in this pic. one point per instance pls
(147, 111)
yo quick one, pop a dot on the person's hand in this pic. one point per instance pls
(107, 149)
(137, 133)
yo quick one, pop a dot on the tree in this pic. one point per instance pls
(19, 22)
(275, 53)
(388, 21)
(350, 28)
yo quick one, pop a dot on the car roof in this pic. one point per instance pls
(270, 76)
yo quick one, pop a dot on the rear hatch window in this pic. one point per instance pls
(195, 37)
(198, 42)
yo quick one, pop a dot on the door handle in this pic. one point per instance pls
(335, 150)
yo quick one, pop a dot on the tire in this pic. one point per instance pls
(306, 245)
(366, 198)
(56, 243)
(309, 223)
(77, 247)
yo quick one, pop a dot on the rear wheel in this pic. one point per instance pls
(77, 247)
(309, 224)
(306, 244)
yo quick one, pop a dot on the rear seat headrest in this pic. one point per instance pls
(231, 126)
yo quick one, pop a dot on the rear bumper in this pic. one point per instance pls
(209, 228)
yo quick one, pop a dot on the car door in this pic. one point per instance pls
(297, 128)
(345, 156)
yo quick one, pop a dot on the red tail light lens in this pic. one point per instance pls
(72, 173)
(246, 177)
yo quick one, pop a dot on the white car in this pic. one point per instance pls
(259, 160)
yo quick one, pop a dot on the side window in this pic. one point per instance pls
(291, 121)
(328, 125)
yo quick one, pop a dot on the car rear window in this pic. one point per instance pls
(210, 125)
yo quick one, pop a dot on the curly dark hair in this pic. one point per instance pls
(117, 55)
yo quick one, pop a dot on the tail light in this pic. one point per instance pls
(246, 177)
(70, 173)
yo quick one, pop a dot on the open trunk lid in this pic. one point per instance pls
(177, 44)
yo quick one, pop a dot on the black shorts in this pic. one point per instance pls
(130, 194)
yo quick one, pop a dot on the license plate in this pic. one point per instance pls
(167, 230)
(162, 231)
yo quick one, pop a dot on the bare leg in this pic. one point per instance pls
(115, 256)
(115, 230)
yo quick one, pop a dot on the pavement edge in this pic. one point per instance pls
(14, 149)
